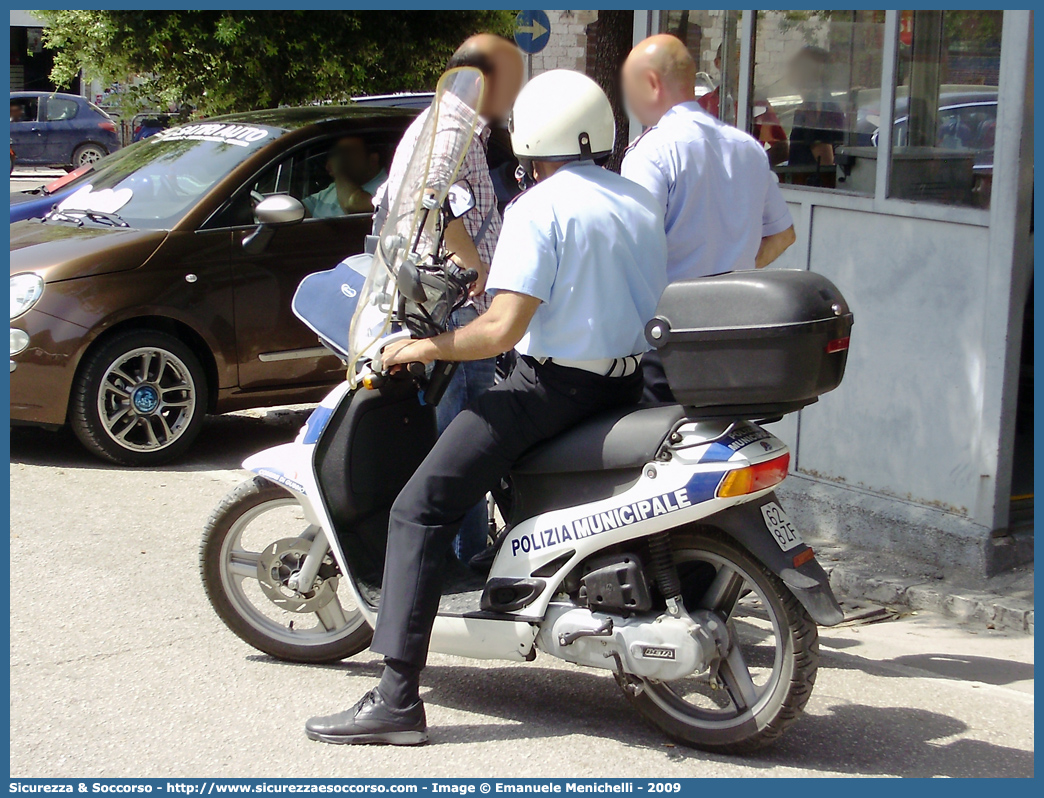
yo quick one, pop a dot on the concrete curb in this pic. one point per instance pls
(989, 610)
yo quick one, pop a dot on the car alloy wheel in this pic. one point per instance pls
(140, 398)
(88, 153)
(146, 399)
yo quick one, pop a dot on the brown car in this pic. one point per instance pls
(150, 296)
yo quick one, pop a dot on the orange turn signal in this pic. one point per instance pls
(753, 478)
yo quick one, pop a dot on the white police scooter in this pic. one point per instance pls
(647, 541)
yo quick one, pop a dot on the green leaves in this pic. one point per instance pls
(225, 61)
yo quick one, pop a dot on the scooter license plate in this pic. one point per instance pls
(780, 527)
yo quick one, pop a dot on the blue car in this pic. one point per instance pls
(52, 129)
(145, 125)
(37, 202)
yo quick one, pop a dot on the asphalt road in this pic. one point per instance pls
(120, 668)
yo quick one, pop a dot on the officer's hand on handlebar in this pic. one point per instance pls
(401, 353)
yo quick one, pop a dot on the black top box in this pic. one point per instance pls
(751, 344)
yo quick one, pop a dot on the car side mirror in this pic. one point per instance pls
(279, 210)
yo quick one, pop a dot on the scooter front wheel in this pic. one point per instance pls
(763, 685)
(254, 543)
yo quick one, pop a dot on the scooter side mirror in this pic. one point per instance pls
(409, 282)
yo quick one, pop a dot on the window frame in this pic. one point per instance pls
(28, 102)
(283, 158)
(55, 101)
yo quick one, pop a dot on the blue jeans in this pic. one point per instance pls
(472, 379)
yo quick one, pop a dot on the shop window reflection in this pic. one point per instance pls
(946, 106)
(820, 74)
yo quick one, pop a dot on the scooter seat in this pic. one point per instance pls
(623, 438)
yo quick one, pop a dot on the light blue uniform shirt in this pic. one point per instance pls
(714, 185)
(590, 246)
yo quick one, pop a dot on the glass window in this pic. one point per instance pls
(332, 178)
(817, 93)
(712, 37)
(59, 110)
(24, 109)
(946, 106)
(153, 183)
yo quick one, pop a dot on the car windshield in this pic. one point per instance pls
(154, 183)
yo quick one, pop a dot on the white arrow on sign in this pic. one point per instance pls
(536, 30)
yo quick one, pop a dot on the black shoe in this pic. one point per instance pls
(483, 561)
(371, 721)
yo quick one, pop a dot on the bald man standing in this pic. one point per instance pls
(723, 210)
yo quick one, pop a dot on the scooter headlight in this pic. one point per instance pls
(26, 290)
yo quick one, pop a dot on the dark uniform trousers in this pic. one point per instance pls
(657, 389)
(535, 402)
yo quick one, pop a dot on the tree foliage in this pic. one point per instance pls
(224, 61)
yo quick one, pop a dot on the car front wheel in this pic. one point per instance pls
(140, 399)
(88, 153)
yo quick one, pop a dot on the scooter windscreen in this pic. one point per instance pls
(411, 230)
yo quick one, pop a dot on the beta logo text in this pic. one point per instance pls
(657, 652)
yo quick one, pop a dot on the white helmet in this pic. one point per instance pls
(561, 116)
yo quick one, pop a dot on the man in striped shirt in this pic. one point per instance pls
(473, 237)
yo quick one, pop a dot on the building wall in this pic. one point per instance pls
(567, 44)
(23, 19)
(30, 62)
(889, 459)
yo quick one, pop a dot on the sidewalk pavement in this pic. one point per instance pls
(1004, 601)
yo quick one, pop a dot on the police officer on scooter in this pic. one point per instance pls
(577, 273)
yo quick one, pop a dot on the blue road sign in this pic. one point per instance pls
(532, 30)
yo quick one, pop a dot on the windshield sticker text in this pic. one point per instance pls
(239, 135)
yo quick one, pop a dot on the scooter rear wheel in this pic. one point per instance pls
(764, 684)
(253, 542)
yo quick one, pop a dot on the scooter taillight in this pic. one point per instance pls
(753, 478)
